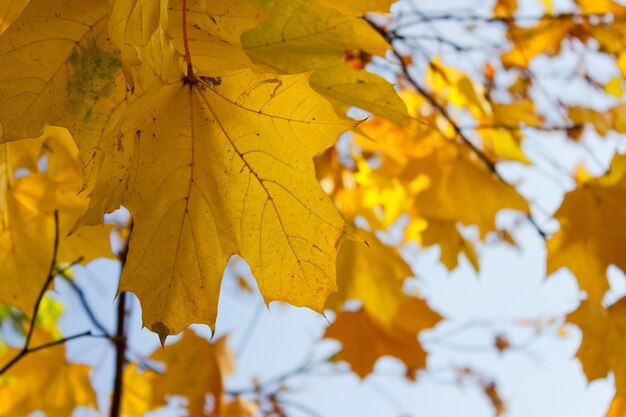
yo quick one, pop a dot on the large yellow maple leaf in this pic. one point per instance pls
(223, 167)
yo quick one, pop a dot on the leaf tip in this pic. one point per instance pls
(162, 330)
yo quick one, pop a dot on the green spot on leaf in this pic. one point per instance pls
(92, 78)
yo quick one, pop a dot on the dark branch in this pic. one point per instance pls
(390, 38)
(120, 341)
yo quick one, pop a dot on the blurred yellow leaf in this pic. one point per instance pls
(364, 339)
(372, 273)
(602, 348)
(592, 234)
(194, 368)
(44, 381)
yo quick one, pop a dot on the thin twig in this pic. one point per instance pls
(24, 353)
(299, 406)
(279, 380)
(247, 333)
(86, 307)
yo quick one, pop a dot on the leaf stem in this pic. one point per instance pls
(190, 78)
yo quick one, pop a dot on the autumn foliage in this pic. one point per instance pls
(316, 141)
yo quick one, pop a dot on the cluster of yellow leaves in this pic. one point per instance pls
(423, 171)
(592, 22)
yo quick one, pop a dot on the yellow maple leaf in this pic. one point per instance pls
(364, 339)
(505, 8)
(453, 193)
(594, 6)
(56, 388)
(131, 24)
(591, 236)
(372, 273)
(422, 173)
(600, 120)
(456, 88)
(201, 366)
(602, 348)
(224, 168)
(303, 35)
(451, 242)
(503, 144)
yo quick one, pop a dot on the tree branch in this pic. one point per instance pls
(23, 353)
(390, 38)
(48, 280)
(120, 339)
(120, 354)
